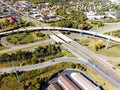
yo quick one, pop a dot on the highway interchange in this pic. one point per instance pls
(71, 47)
(76, 49)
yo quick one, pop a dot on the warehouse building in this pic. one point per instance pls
(84, 82)
(66, 83)
(73, 81)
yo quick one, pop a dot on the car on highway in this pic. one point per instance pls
(53, 60)
(113, 68)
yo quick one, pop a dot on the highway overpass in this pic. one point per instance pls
(62, 29)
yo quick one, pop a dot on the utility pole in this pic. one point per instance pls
(108, 41)
(16, 72)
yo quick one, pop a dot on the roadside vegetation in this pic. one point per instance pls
(115, 33)
(115, 63)
(26, 37)
(98, 46)
(112, 20)
(38, 79)
(96, 23)
(2, 47)
(38, 55)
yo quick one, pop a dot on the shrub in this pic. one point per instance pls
(40, 34)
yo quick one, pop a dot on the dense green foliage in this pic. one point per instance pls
(31, 57)
(75, 19)
(65, 23)
(40, 34)
(71, 24)
(35, 79)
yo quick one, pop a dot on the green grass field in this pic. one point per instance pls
(112, 51)
(25, 38)
(2, 47)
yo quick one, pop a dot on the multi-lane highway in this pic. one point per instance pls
(78, 50)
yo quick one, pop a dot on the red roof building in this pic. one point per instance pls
(11, 19)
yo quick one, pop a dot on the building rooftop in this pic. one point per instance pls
(84, 82)
(54, 86)
(67, 83)
(73, 80)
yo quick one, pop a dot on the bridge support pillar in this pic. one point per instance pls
(81, 33)
(108, 41)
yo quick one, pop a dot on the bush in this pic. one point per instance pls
(34, 60)
(21, 64)
(28, 83)
(40, 34)
(37, 85)
(98, 46)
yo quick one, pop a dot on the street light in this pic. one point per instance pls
(16, 72)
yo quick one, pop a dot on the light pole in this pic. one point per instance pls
(16, 72)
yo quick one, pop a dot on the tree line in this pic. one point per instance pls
(75, 19)
(41, 51)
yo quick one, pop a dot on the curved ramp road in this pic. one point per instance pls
(41, 65)
(24, 46)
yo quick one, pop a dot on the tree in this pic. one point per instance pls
(65, 23)
(28, 83)
(84, 26)
(40, 34)
(4, 57)
(34, 60)
(118, 65)
(37, 85)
